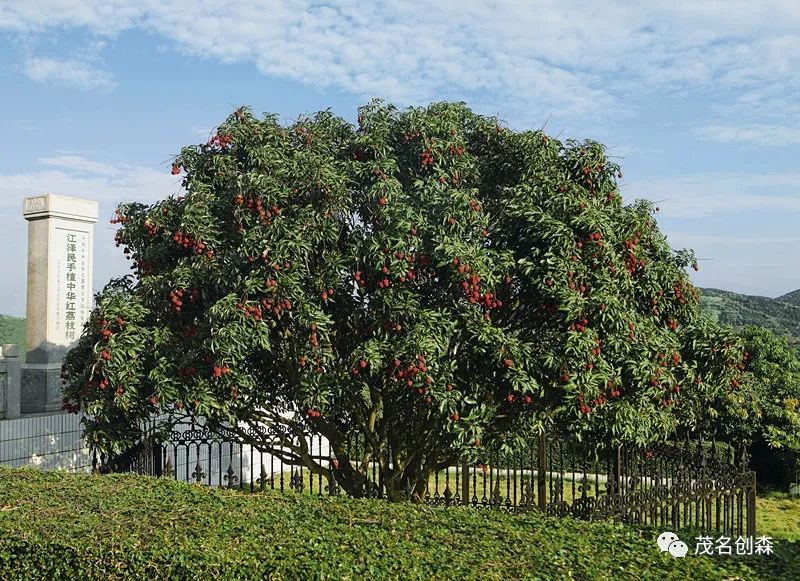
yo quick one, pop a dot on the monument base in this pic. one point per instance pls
(41, 388)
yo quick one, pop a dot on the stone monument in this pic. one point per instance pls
(59, 300)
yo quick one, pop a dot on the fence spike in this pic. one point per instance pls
(230, 476)
(198, 473)
(745, 459)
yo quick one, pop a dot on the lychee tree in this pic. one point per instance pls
(767, 417)
(427, 280)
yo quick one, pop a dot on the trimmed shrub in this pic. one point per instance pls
(61, 526)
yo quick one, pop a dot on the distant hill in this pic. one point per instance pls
(792, 297)
(12, 330)
(781, 315)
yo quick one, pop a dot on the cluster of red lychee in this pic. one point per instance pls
(409, 373)
(409, 136)
(678, 290)
(586, 409)
(314, 339)
(613, 392)
(276, 307)
(525, 399)
(455, 150)
(473, 292)
(580, 326)
(220, 370)
(410, 259)
(253, 311)
(572, 285)
(613, 389)
(426, 158)
(187, 241)
(276, 266)
(221, 141)
(361, 365)
(257, 206)
(632, 263)
(119, 218)
(176, 298)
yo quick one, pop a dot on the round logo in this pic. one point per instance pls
(665, 539)
(678, 549)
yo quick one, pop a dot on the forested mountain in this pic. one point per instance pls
(780, 315)
(792, 297)
(12, 330)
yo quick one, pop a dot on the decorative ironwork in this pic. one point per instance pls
(198, 473)
(264, 479)
(705, 485)
(230, 477)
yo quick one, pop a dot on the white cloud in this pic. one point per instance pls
(760, 135)
(69, 73)
(702, 195)
(82, 177)
(528, 59)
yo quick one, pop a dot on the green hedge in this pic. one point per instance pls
(60, 526)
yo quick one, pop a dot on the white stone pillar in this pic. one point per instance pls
(60, 242)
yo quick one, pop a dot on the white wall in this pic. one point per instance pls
(46, 441)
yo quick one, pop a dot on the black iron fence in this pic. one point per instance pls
(674, 485)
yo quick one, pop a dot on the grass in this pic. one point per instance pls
(778, 515)
(55, 525)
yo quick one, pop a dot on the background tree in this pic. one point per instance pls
(428, 280)
(769, 419)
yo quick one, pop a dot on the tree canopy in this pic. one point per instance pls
(428, 279)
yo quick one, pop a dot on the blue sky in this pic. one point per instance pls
(698, 99)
